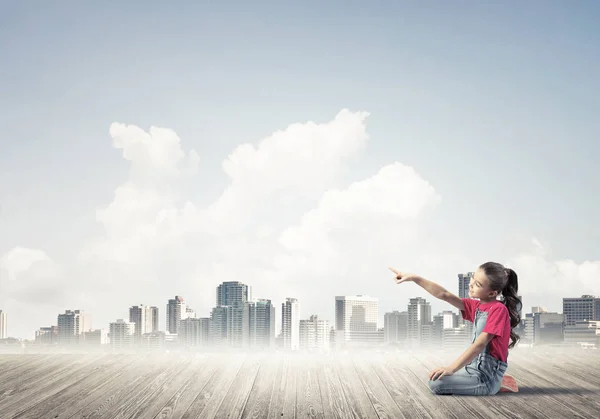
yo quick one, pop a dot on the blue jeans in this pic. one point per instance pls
(481, 377)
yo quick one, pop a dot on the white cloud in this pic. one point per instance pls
(548, 279)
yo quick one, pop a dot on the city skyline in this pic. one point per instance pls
(222, 299)
(157, 151)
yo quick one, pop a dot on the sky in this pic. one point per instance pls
(154, 151)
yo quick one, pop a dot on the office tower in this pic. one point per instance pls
(47, 335)
(233, 293)
(356, 320)
(585, 308)
(419, 315)
(121, 334)
(194, 332)
(3, 325)
(142, 316)
(176, 310)
(71, 325)
(218, 326)
(290, 323)
(583, 334)
(262, 324)
(238, 325)
(463, 284)
(395, 327)
(314, 334)
(154, 317)
(96, 337)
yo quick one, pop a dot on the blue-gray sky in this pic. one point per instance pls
(493, 105)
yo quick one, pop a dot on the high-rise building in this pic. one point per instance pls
(262, 324)
(232, 293)
(3, 325)
(121, 334)
(176, 311)
(238, 325)
(290, 323)
(356, 319)
(419, 315)
(314, 334)
(143, 317)
(194, 332)
(47, 335)
(71, 325)
(585, 308)
(583, 333)
(154, 316)
(218, 326)
(395, 327)
(463, 284)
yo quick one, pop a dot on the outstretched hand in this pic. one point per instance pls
(402, 276)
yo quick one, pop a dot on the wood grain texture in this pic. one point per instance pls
(287, 385)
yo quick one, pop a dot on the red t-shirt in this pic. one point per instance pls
(497, 323)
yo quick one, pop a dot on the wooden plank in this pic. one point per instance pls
(239, 391)
(211, 396)
(308, 396)
(378, 394)
(85, 396)
(334, 399)
(121, 388)
(283, 399)
(181, 401)
(257, 405)
(358, 400)
(51, 385)
(155, 401)
(75, 389)
(139, 395)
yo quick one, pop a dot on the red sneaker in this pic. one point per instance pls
(509, 385)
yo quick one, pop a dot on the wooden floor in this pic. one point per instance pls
(366, 385)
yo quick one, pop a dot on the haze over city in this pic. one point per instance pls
(160, 151)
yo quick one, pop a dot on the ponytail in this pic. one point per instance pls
(512, 303)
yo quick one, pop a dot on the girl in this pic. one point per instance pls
(479, 370)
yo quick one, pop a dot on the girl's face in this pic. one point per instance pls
(479, 287)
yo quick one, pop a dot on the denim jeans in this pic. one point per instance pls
(481, 377)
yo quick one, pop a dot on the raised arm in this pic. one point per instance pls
(431, 287)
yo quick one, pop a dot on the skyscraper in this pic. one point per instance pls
(3, 325)
(176, 310)
(463, 284)
(419, 315)
(395, 327)
(232, 293)
(290, 323)
(356, 319)
(142, 316)
(262, 324)
(71, 325)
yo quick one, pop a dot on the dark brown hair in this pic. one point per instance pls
(505, 281)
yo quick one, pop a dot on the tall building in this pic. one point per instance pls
(262, 324)
(3, 325)
(47, 335)
(585, 308)
(143, 317)
(121, 334)
(395, 327)
(463, 284)
(154, 315)
(71, 325)
(583, 333)
(356, 320)
(233, 293)
(176, 311)
(290, 323)
(238, 325)
(194, 332)
(218, 326)
(314, 334)
(419, 315)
